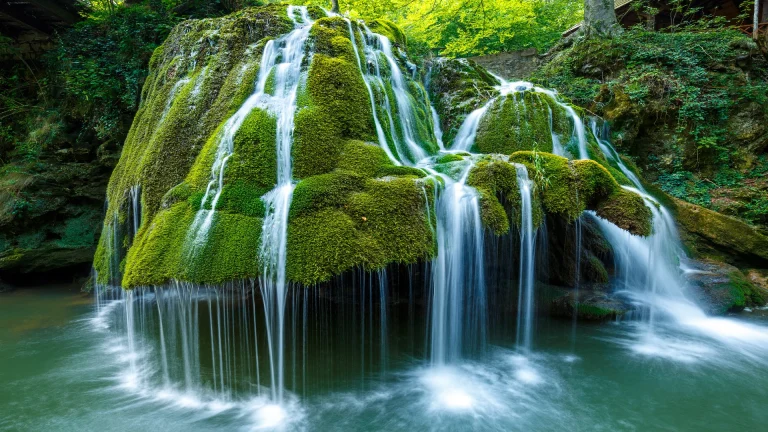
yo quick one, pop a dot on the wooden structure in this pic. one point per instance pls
(629, 16)
(31, 23)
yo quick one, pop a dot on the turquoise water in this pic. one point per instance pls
(63, 370)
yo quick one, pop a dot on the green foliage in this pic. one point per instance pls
(467, 27)
(101, 63)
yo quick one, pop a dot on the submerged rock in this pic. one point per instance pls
(590, 304)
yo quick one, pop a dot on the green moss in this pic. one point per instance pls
(336, 85)
(166, 249)
(317, 142)
(628, 211)
(568, 188)
(173, 136)
(449, 157)
(326, 190)
(180, 192)
(497, 183)
(254, 161)
(390, 30)
(456, 88)
(706, 227)
(331, 38)
(516, 122)
(242, 198)
(393, 213)
(324, 244)
(744, 292)
(392, 170)
(492, 213)
(500, 178)
(363, 158)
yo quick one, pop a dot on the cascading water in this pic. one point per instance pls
(274, 237)
(458, 274)
(289, 50)
(406, 118)
(382, 137)
(525, 302)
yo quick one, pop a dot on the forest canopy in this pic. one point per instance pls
(470, 27)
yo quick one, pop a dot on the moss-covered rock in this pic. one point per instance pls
(569, 187)
(351, 207)
(688, 107)
(711, 234)
(456, 88)
(721, 288)
(518, 121)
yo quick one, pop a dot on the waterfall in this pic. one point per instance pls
(557, 147)
(274, 237)
(402, 97)
(465, 137)
(458, 277)
(525, 304)
(380, 135)
(289, 50)
(648, 268)
(438, 130)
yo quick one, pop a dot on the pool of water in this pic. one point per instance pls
(65, 367)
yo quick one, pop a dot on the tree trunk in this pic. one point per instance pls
(335, 6)
(600, 19)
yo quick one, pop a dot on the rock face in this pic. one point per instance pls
(720, 288)
(510, 65)
(51, 213)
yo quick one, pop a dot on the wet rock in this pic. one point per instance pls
(759, 279)
(592, 303)
(720, 288)
(709, 233)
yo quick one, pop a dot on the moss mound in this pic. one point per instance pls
(351, 206)
(519, 121)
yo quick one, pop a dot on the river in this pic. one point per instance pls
(64, 368)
